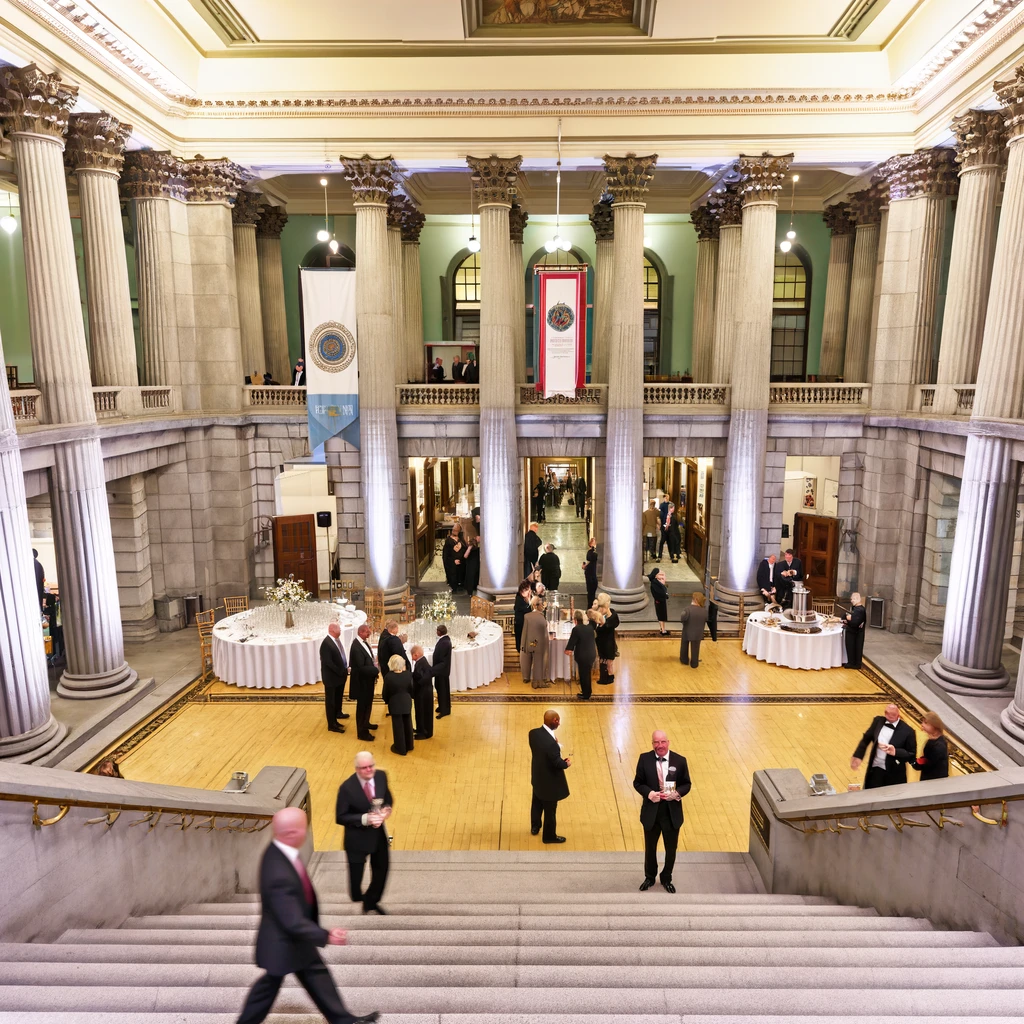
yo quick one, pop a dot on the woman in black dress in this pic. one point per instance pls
(853, 628)
(659, 594)
(673, 536)
(449, 556)
(607, 646)
(933, 762)
(590, 572)
(582, 644)
(472, 560)
(523, 597)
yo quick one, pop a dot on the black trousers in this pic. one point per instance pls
(549, 810)
(584, 671)
(689, 651)
(876, 778)
(333, 703)
(651, 543)
(444, 695)
(316, 980)
(591, 593)
(379, 860)
(364, 705)
(401, 727)
(579, 507)
(424, 703)
(665, 830)
(854, 647)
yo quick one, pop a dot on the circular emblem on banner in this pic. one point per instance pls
(560, 317)
(332, 347)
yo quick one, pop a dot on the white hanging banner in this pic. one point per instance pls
(562, 330)
(332, 365)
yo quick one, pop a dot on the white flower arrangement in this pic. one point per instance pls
(287, 593)
(441, 609)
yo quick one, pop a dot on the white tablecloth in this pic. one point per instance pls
(561, 663)
(276, 657)
(475, 663)
(794, 650)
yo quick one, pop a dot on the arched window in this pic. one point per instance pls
(790, 313)
(652, 319)
(466, 300)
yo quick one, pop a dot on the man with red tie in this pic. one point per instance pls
(290, 931)
(365, 834)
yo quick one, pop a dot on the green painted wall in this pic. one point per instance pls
(813, 236)
(14, 329)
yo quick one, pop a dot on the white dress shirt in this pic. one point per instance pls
(662, 769)
(363, 783)
(554, 737)
(289, 851)
(884, 739)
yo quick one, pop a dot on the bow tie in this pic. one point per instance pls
(661, 759)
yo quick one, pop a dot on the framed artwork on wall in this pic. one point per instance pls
(810, 492)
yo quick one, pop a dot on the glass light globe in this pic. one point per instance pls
(322, 235)
(333, 245)
(791, 234)
(564, 244)
(785, 245)
(323, 181)
(647, 241)
(550, 245)
(474, 244)
(9, 224)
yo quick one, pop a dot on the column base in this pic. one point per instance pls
(32, 745)
(495, 593)
(91, 687)
(728, 602)
(1012, 719)
(630, 601)
(961, 679)
(394, 593)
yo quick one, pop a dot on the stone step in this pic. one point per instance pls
(86, 1017)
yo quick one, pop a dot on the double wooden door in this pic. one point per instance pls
(817, 546)
(295, 550)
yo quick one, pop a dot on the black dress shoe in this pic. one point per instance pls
(668, 887)
(445, 715)
(646, 884)
(368, 738)
(375, 910)
(556, 839)
(367, 1018)
(335, 728)
(400, 753)
(581, 696)
(534, 831)
(344, 714)
(373, 725)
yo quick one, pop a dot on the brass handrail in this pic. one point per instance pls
(898, 816)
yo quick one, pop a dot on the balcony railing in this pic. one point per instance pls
(276, 396)
(122, 403)
(686, 394)
(25, 405)
(964, 399)
(591, 398)
(821, 395)
(445, 395)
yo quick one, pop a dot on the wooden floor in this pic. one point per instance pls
(468, 788)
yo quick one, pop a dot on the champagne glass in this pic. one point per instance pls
(378, 804)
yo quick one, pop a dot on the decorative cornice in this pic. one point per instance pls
(373, 179)
(214, 181)
(838, 218)
(980, 139)
(705, 222)
(603, 220)
(34, 102)
(1011, 95)
(517, 218)
(629, 176)
(272, 221)
(246, 207)
(412, 223)
(925, 172)
(151, 174)
(763, 177)
(866, 206)
(494, 178)
(96, 143)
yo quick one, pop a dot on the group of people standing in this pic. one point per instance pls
(893, 744)
(460, 555)
(551, 490)
(462, 372)
(661, 525)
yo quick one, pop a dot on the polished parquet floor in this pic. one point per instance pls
(468, 788)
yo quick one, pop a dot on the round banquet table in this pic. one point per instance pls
(275, 657)
(794, 650)
(474, 662)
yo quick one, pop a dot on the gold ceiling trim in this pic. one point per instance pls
(226, 20)
(856, 18)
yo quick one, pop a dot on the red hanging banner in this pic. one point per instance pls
(561, 320)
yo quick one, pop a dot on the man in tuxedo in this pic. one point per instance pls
(792, 571)
(299, 374)
(437, 371)
(458, 366)
(768, 580)
(548, 777)
(422, 694)
(661, 813)
(471, 375)
(893, 743)
(364, 671)
(290, 933)
(365, 834)
(389, 642)
(443, 671)
(531, 549)
(333, 672)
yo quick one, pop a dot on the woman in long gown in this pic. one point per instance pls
(607, 645)
(524, 595)
(659, 594)
(673, 536)
(448, 560)
(472, 578)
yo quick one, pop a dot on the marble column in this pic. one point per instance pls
(603, 221)
(730, 234)
(275, 320)
(151, 182)
(919, 185)
(95, 155)
(416, 358)
(245, 212)
(34, 110)
(866, 214)
(517, 219)
(837, 291)
(397, 278)
(743, 486)
(27, 728)
(494, 185)
(979, 572)
(373, 181)
(705, 223)
(981, 152)
(629, 178)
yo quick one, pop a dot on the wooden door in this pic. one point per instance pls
(817, 546)
(295, 550)
(446, 492)
(677, 484)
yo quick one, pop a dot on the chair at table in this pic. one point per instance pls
(824, 605)
(204, 625)
(234, 605)
(481, 608)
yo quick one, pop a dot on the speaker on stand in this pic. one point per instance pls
(323, 520)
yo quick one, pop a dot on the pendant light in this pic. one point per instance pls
(787, 243)
(8, 223)
(558, 242)
(473, 245)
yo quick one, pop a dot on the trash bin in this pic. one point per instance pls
(193, 605)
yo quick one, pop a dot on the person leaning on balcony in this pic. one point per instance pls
(933, 763)
(893, 743)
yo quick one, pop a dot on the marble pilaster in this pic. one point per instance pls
(517, 219)
(129, 524)
(244, 214)
(603, 221)
(95, 155)
(494, 185)
(412, 225)
(275, 321)
(705, 223)
(730, 234)
(837, 291)
(866, 213)
(628, 179)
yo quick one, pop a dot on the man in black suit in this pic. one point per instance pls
(661, 813)
(422, 694)
(471, 375)
(299, 374)
(364, 671)
(531, 550)
(40, 577)
(443, 671)
(458, 366)
(388, 643)
(290, 932)
(893, 743)
(791, 572)
(548, 777)
(365, 834)
(333, 673)
(768, 580)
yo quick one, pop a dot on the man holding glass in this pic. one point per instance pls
(364, 804)
(662, 779)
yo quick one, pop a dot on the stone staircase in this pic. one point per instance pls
(535, 938)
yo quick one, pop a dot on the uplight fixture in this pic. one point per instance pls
(787, 243)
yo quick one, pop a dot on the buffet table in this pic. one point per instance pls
(474, 662)
(791, 649)
(560, 663)
(254, 649)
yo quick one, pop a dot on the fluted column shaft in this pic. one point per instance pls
(876, 297)
(862, 290)
(396, 263)
(275, 319)
(158, 323)
(837, 292)
(604, 284)
(704, 311)
(81, 518)
(517, 308)
(111, 332)
(250, 315)
(413, 309)
(726, 290)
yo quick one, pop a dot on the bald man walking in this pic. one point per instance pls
(662, 779)
(548, 777)
(290, 931)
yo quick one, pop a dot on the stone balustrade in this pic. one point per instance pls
(124, 403)
(160, 399)
(686, 394)
(964, 399)
(819, 395)
(274, 396)
(25, 404)
(592, 398)
(446, 395)
(926, 398)
(110, 402)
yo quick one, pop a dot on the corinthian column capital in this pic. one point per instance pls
(866, 206)
(629, 176)
(494, 178)
(1011, 95)
(705, 222)
(214, 181)
(412, 224)
(153, 175)
(729, 207)
(838, 218)
(925, 172)
(980, 139)
(96, 143)
(373, 179)
(517, 218)
(246, 208)
(396, 210)
(602, 220)
(35, 103)
(272, 221)
(763, 177)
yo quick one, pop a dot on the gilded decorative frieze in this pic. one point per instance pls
(763, 177)
(373, 179)
(246, 208)
(96, 143)
(705, 222)
(925, 172)
(34, 102)
(517, 218)
(151, 174)
(629, 176)
(494, 178)
(838, 218)
(980, 139)
(272, 221)
(602, 219)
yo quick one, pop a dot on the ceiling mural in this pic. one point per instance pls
(564, 16)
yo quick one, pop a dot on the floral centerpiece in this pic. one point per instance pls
(288, 594)
(441, 609)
